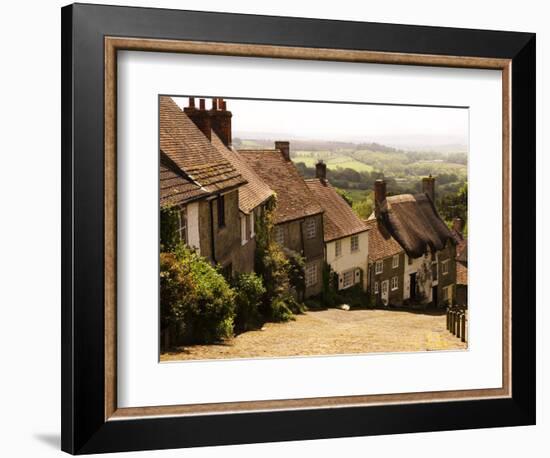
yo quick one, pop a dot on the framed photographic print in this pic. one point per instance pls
(282, 228)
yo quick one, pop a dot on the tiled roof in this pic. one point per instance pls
(256, 191)
(294, 199)
(339, 220)
(175, 187)
(381, 243)
(191, 151)
(461, 274)
(413, 221)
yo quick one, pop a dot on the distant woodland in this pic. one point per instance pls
(353, 168)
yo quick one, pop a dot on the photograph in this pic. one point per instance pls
(308, 228)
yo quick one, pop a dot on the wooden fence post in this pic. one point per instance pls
(463, 333)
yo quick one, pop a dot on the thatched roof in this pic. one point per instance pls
(413, 221)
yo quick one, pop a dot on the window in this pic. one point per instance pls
(182, 224)
(311, 274)
(338, 248)
(448, 294)
(311, 229)
(375, 287)
(434, 270)
(348, 279)
(445, 267)
(378, 267)
(221, 211)
(395, 261)
(279, 235)
(252, 221)
(394, 283)
(243, 229)
(354, 242)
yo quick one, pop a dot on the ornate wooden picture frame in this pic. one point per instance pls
(92, 35)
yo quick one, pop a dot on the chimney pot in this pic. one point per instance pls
(202, 104)
(221, 121)
(321, 171)
(224, 105)
(284, 147)
(458, 224)
(428, 187)
(379, 195)
(201, 118)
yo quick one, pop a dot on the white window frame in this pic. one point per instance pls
(445, 267)
(395, 261)
(376, 290)
(351, 274)
(394, 283)
(311, 274)
(378, 267)
(244, 238)
(354, 240)
(311, 228)
(279, 235)
(338, 248)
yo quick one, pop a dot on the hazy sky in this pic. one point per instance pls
(400, 126)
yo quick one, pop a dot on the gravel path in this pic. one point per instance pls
(333, 331)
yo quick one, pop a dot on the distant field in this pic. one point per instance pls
(333, 161)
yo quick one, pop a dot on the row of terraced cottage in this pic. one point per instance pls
(403, 254)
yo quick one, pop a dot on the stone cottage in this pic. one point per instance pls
(386, 266)
(345, 234)
(204, 186)
(430, 250)
(298, 218)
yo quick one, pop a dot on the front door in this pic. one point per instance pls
(385, 292)
(412, 290)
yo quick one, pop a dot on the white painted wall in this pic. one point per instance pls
(193, 233)
(349, 260)
(418, 264)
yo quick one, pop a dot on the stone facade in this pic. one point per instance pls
(296, 236)
(380, 279)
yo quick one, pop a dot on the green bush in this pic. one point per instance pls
(280, 310)
(177, 290)
(169, 223)
(249, 292)
(355, 297)
(204, 307)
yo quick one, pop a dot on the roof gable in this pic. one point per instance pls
(191, 151)
(255, 191)
(381, 242)
(339, 220)
(294, 199)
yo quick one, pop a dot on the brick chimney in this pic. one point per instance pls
(200, 116)
(458, 225)
(221, 121)
(321, 171)
(428, 187)
(379, 195)
(284, 147)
